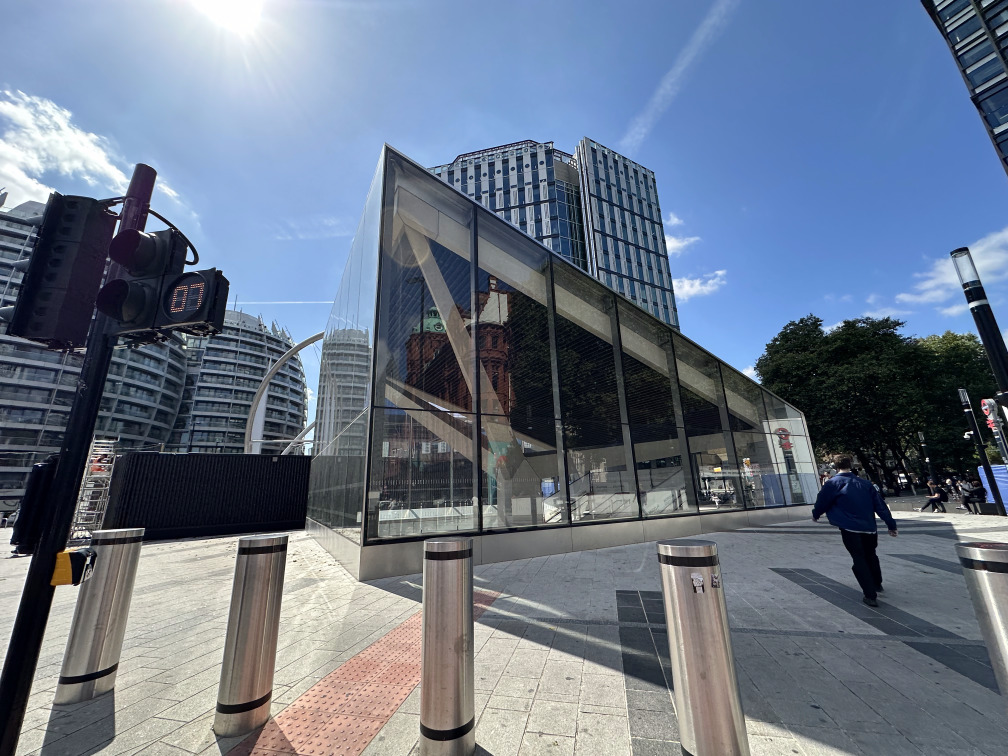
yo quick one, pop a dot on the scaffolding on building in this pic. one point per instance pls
(94, 492)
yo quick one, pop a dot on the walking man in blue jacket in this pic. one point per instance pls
(851, 504)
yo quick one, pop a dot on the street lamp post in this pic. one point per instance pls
(983, 316)
(981, 452)
(927, 458)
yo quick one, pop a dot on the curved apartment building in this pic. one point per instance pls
(142, 393)
(223, 373)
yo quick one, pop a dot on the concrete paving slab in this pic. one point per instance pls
(572, 657)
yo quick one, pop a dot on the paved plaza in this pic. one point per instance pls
(571, 652)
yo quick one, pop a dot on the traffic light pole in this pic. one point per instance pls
(36, 598)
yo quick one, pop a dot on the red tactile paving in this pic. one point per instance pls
(342, 712)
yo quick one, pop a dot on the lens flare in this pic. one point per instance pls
(238, 16)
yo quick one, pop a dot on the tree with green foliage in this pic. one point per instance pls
(867, 389)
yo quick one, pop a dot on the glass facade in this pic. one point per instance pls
(473, 382)
(977, 35)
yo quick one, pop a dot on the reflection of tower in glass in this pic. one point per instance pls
(784, 439)
(344, 381)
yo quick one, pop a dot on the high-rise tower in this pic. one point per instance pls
(596, 208)
(977, 35)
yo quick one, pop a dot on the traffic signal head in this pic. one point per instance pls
(146, 260)
(193, 302)
(57, 295)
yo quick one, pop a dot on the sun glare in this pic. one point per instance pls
(238, 16)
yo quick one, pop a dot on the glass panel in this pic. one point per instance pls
(336, 488)
(513, 327)
(421, 474)
(761, 484)
(744, 397)
(647, 354)
(712, 458)
(424, 351)
(967, 28)
(792, 451)
(985, 72)
(796, 467)
(600, 482)
(520, 482)
(778, 409)
(519, 486)
(980, 50)
(747, 419)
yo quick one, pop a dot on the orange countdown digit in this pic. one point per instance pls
(197, 288)
(179, 297)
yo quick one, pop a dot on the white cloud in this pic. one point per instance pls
(687, 288)
(168, 191)
(39, 138)
(829, 328)
(751, 372)
(676, 245)
(886, 312)
(673, 220)
(672, 81)
(318, 227)
(956, 309)
(940, 283)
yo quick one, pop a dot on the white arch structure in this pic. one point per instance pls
(257, 414)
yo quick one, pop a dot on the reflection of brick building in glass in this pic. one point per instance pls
(432, 367)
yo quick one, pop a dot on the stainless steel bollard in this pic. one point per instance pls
(985, 567)
(447, 700)
(246, 681)
(96, 635)
(707, 697)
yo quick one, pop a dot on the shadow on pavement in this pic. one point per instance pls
(80, 729)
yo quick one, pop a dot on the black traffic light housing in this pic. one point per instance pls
(153, 294)
(57, 295)
(145, 260)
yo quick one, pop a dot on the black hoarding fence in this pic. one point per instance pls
(193, 495)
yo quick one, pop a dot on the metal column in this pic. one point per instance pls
(99, 622)
(985, 567)
(447, 700)
(707, 699)
(246, 682)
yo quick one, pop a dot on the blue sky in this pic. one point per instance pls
(810, 156)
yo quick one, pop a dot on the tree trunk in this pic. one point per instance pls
(869, 468)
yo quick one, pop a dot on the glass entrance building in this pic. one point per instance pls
(475, 383)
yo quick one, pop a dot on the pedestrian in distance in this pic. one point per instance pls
(973, 492)
(851, 504)
(938, 498)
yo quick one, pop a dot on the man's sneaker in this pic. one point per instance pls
(870, 601)
(960, 507)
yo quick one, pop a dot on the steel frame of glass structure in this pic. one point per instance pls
(977, 35)
(475, 383)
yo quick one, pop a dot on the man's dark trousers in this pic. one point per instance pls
(866, 568)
